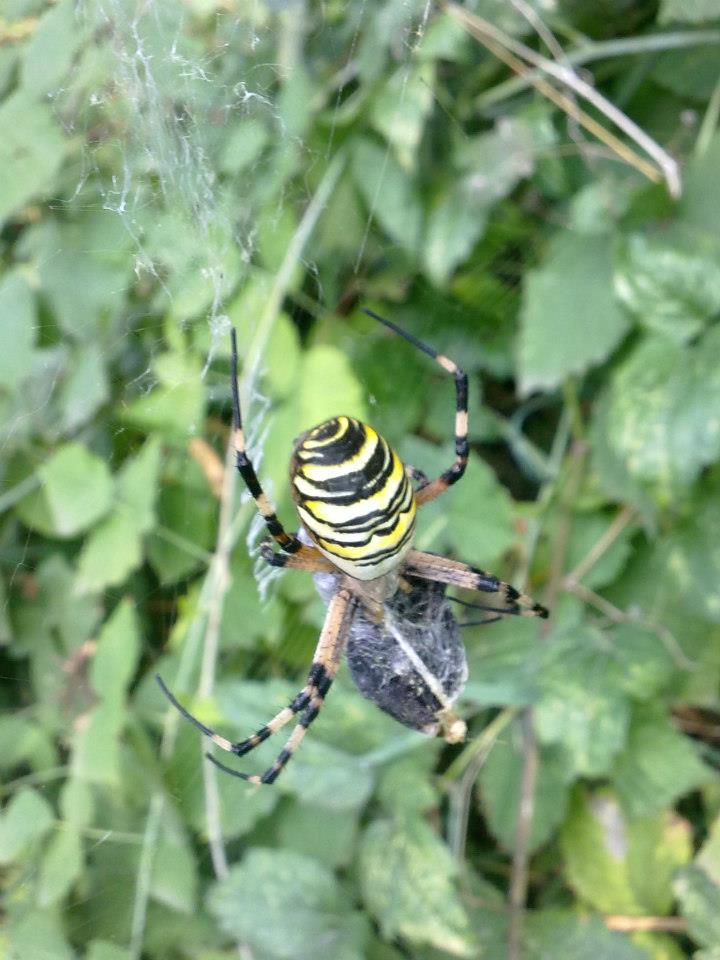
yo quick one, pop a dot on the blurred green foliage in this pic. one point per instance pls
(168, 170)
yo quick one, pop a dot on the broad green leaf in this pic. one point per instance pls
(328, 387)
(110, 553)
(116, 654)
(294, 827)
(618, 864)
(103, 950)
(699, 900)
(31, 150)
(76, 491)
(407, 880)
(51, 49)
(455, 224)
(86, 388)
(76, 803)
(61, 865)
(670, 290)
(114, 548)
(84, 268)
(490, 165)
(24, 821)
(657, 766)
(187, 520)
(699, 205)
(570, 319)
(582, 938)
(690, 556)
(96, 756)
(173, 408)
(390, 196)
(38, 935)
(581, 705)
(687, 11)
(17, 323)
(401, 109)
(503, 660)
(500, 790)
(405, 785)
(296, 905)
(243, 145)
(646, 664)
(174, 875)
(663, 417)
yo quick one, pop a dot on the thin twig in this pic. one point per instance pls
(635, 924)
(603, 50)
(514, 53)
(467, 767)
(600, 547)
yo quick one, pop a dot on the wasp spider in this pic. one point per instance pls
(385, 601)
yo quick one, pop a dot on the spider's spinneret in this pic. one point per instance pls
(354, 497)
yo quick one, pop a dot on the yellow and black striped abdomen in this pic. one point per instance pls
(353, 497)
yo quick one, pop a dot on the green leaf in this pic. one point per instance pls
(174, 875)
(500, 790)
(581, 705)
(407, 880)
(18, 322)
(658, 765)
(38, 935)
(96, 754)
(570, 319)
(31, 151)
(52, 48)
(670, 290)
(110, 553)
(175, 407)
(389, 194)
(296, 905)
(503, 661)
(116, 654)
(663, 414)
(61, 865)
(294, 827)
(103, 950)
(114, 548)
(76, 491)
(700, 904)
(490, 165)
(25, 820)
(622, 865)
(687, 11)
(86, 388)
(401, 109)
(582, 938)
(76, 803)
(587, 530)
(328, 387)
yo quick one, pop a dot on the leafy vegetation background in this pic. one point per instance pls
(167, 170)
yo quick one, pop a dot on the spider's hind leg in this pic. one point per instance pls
(307, 703)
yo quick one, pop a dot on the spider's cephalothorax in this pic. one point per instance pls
(353, 496)
(386, 601)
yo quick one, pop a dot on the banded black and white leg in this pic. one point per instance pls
(503, 597)
(307, 703)
(286, 541)
(450, 476)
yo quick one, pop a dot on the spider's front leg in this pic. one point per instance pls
(306, 558)
(504, 598)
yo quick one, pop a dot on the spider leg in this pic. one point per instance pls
(453, 474)
(286, 541)
(322, 673)
(485, 609)
(306, 558)
(506, 599)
